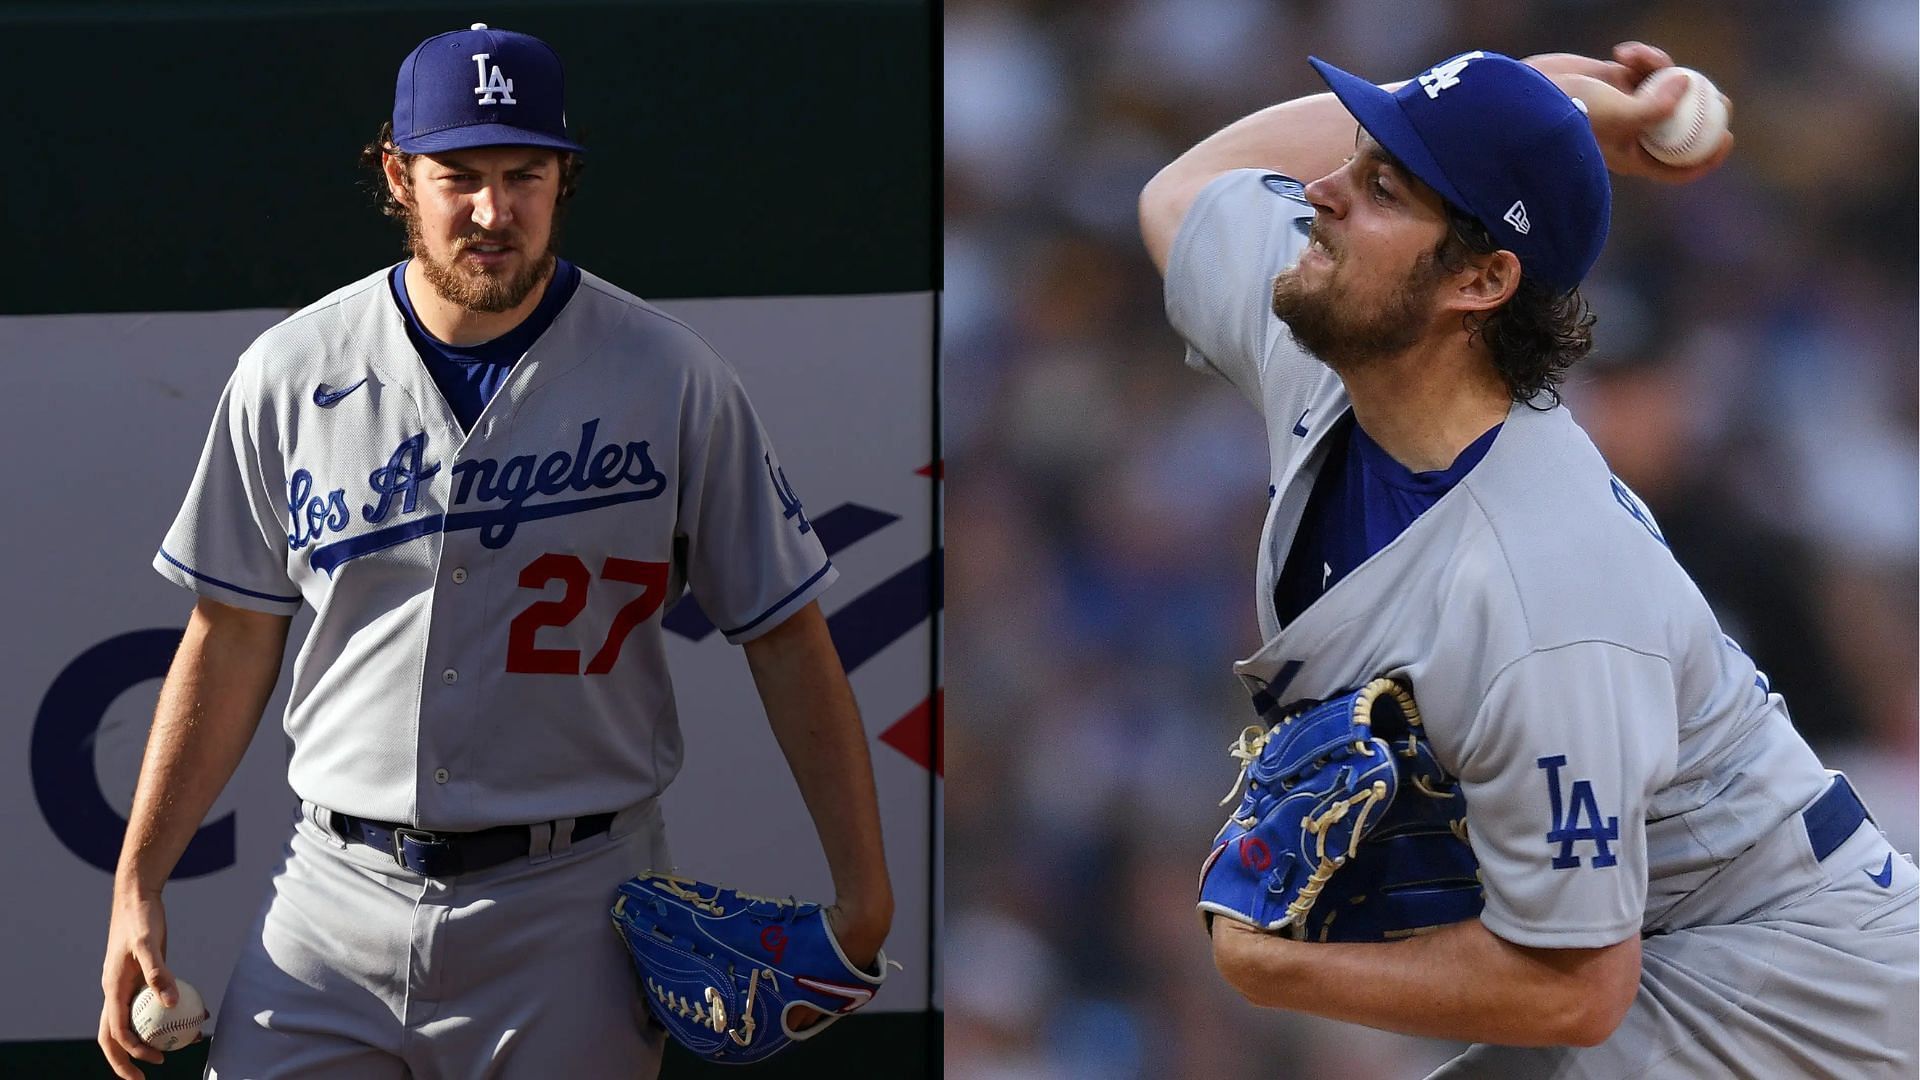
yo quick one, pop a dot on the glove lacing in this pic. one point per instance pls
(1253, 740)
(1246, 750)
(1365, 800)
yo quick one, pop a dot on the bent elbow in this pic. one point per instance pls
(1590, 1026)
(1163, 205)
(1235, 966)
(1607, 1018)
(1155, 197)
(1596, 1012)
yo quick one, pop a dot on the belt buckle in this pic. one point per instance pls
(420, 836)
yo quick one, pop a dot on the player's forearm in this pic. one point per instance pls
(1460, 982)
(811, 709)
(1305, 138)
(209, 707)
(1309, 137)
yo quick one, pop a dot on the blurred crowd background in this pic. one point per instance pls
(1754, 381)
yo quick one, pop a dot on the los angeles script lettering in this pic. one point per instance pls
(484, 483)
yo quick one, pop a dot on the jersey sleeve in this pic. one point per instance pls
(752, 556)
(1244, 228)
(1562, 760)
(229, 542)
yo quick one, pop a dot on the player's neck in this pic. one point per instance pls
(1424, 408)
(453, 324)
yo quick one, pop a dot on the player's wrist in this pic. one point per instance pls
(867, 895)
(1612, 115)
(1246, 957)
(1551, 64)
(130, 889)
(861, 927)
(1631, 63)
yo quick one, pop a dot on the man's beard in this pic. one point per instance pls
(477, 290)
(1345, 337)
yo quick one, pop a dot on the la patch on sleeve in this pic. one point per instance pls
(1575, 818)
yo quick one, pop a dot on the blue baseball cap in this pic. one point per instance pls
(480, 87)
(1499, 141)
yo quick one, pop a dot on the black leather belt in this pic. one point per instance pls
(1833, 817)
(444, 854)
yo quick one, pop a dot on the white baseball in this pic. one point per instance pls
(1698, 123)
(169, 1029)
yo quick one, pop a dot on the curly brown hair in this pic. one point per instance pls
(1536, 336)
(571, 166)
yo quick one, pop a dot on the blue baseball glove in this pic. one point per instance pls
(1349, 829)
(723, 971)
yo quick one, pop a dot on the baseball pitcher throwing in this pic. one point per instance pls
(489, 472)
(1510, 783)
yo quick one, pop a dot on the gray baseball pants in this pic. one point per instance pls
(359, 968)
(1784, 967)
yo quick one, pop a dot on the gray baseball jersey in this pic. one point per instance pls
(1617, 750)
(487, 647)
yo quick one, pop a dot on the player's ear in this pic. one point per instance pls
(1488, 281)
(397, 179)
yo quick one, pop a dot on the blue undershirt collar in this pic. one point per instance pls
(469, 375)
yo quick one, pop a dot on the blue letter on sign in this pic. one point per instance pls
(64, 782)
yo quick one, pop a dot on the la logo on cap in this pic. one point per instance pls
(492, 81)
(1446, 75)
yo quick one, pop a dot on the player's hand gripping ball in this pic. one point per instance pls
(725, 972)
(1349, 829)
(167, 1029)
(1698, 123)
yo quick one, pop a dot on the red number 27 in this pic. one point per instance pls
(527, 658)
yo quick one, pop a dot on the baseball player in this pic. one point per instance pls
(1673, 885)
(489, 472)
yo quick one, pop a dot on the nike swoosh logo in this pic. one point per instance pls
(327, 399)
(1885, 877)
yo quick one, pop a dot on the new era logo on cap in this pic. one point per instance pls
(480, 87)
(1516, 216)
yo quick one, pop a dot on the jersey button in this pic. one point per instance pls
(440, 776)
(459, 575)
(449, 676)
